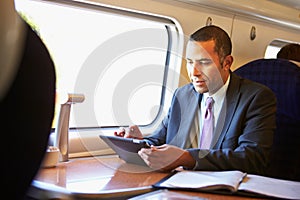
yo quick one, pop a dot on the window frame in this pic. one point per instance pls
(278, 44)
(171, 78)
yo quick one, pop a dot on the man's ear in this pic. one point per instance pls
(227, 62)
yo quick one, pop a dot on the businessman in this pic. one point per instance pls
(241, 115)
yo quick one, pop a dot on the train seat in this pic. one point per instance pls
(283, 77)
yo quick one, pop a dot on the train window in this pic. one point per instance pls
(274, 47)
(126, 63)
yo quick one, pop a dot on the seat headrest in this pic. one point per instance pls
(283, 77)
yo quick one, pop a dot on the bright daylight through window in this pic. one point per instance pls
(119, 62)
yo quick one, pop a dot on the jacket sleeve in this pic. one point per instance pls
(158, 137)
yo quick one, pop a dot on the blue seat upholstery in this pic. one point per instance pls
(283, 77)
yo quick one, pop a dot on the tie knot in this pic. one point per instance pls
(209, 102)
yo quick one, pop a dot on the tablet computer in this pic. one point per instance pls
(126, 148)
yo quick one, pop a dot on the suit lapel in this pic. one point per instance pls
(228, 110)
(187, 120)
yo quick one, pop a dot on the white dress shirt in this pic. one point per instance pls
(218, 97)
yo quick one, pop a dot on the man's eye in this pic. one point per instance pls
(199, 62)
(205, 62)
(190, 62)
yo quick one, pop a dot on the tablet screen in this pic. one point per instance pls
(126, 148)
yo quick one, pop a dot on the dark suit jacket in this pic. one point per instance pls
(244, 133)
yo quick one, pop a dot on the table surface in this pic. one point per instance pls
(104, 177)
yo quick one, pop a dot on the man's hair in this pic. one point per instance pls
(290, 52)
(222, 40)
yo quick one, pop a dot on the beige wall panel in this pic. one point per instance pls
(245, 49)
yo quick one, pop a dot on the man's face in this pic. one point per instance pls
(203, 64)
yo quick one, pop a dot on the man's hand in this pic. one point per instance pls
(166, 157)
(130, 132)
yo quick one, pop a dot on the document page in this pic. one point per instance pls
(271, 187)
(165, 195)
(205, 180)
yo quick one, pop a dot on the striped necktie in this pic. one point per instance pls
(208, 125)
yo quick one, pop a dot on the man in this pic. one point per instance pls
(290, 52)
(243, 112)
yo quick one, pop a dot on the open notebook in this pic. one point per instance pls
(231, 182)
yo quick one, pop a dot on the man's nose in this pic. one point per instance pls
(195, 70)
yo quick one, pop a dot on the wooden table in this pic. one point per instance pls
(101, 177)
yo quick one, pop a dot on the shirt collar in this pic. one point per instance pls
(220, 94)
